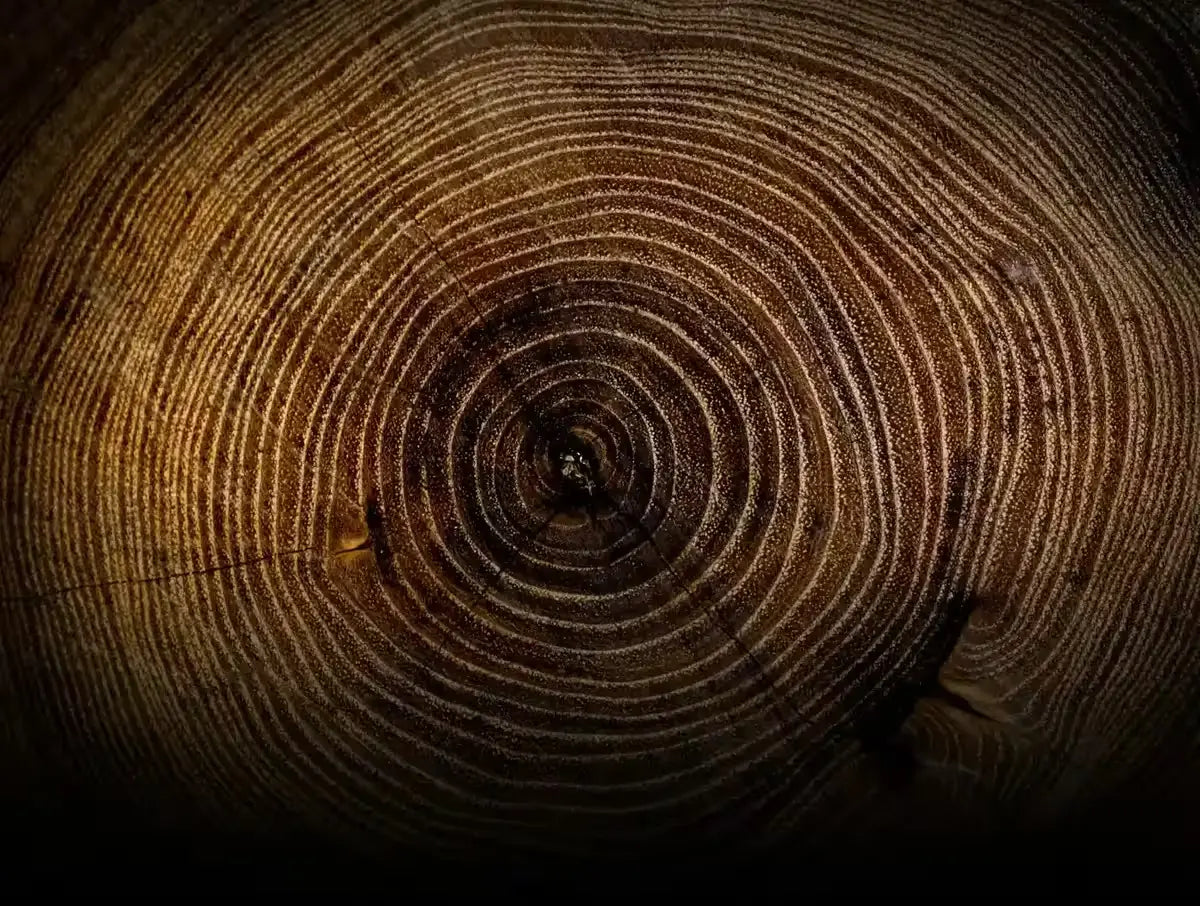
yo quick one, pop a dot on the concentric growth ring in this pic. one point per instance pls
(572, 425)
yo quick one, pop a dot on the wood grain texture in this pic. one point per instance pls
(878, 324)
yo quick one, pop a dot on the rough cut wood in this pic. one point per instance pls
(589, 425)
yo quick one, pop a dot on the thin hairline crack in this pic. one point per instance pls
(43, 597)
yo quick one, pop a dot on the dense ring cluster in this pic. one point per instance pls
(575, 423)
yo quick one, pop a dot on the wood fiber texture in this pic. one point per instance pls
(875, 327)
